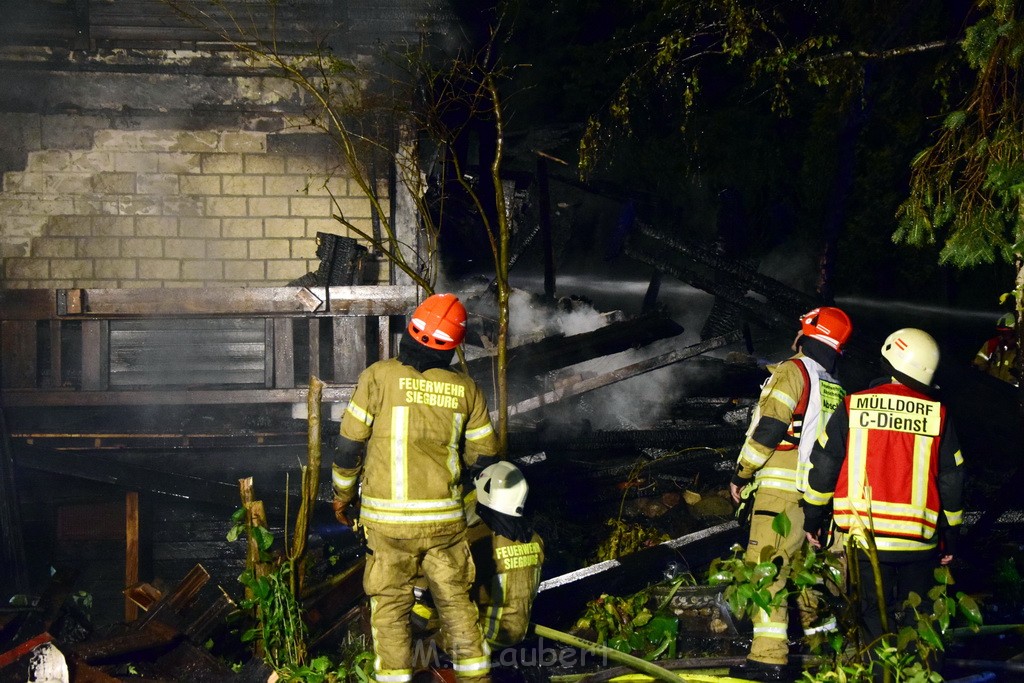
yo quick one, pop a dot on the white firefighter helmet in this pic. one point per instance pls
(912, 352)
(502, 487)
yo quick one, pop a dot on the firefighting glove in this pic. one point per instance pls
(339, 511)
(818, 522)
(746, 506)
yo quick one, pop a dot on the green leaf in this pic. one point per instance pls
(782, 525)
(641, 619)
(764, 571)
(720, 578)
(969, 608)
(264, 539)
(928, 635)
(762, 599)
(620, 644)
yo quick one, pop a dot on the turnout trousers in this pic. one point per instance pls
(770, 644)
(392, 565)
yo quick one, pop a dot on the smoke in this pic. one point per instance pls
(644, 399)
(794, 263)
(529, 316)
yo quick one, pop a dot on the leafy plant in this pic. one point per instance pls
(625, 538)
(278, 615)
(630, 625)
(747, 588)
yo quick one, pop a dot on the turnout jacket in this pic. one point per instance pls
(795, 403)
(415, 426)
(508, 574)
(891, 452)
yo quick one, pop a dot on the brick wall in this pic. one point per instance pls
(165, 208)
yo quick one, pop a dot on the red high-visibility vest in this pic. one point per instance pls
(888, 482)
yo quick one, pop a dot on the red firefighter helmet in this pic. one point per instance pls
(439, 322)
(828, 325)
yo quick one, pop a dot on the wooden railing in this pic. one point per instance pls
(109, 347)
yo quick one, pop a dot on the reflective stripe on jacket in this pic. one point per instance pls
(802, 395)
(506, 600)
(415, 425)
(894, 467)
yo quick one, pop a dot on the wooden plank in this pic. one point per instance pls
(383, 337)
(23, 398)
(27, 304)
(245, 301)
(268, 353)
(349, 348)
(56, 355)
(98, 468)
(18, 340)
(170, 606)
(313, 349)
(284, 353)
(621, 374)
(95, 355)
(151, 636)
(131, 551)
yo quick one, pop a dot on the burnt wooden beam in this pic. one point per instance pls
(31, 397)
(620, 374)
(28, 304)
(211, 619)
(98, 468)
(170, 606)
(151, 636)
(13, 568)
(95, 355)
(558, 351)
(56, 357)
(237, 302)
(349, 348)
(131, 551)
(283, 354)
(18, 341)
(723, 276)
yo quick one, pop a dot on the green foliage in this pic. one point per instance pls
(748, 589)
(967, 189)
(670, 47)
(634, 624)
(625, 538)
(279, 625)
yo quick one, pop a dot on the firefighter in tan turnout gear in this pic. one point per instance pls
(419, 422)
(792, 410)
(890, 464)
(508, 555)
(508, 559)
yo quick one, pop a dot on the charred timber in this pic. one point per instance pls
(598, 442)
(561, 598)
(556, 352)
(623, 373)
